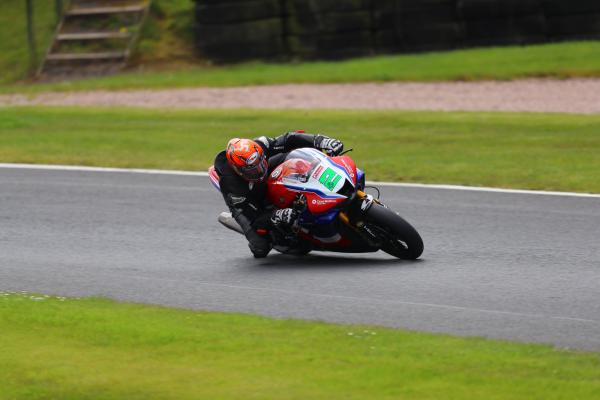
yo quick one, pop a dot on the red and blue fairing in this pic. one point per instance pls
(325, 182)
(214, 177)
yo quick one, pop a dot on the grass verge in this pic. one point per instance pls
(529, 151)
(559, 60)
(99, 349)
(15, 62)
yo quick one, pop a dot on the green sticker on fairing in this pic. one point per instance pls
(329, 179)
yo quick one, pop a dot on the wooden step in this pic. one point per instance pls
(89, 58)
(105, 10)
(93, 35)
(114, 55)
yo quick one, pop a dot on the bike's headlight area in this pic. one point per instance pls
(348, 189)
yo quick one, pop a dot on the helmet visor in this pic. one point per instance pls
(256, 172)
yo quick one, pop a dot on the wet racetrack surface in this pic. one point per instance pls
(501, 265)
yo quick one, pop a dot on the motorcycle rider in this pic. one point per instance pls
(243, 167)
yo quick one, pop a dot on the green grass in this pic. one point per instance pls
(168, 35)
(531, 151)
(56, 348)
(562, 60)
(14, 52)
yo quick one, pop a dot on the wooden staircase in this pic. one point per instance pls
(94, 37)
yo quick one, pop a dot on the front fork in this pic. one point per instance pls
(358, 225)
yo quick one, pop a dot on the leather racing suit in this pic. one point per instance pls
(247, 200)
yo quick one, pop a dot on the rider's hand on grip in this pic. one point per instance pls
(332, 147)
(284, 217)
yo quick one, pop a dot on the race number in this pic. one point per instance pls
(329, 179)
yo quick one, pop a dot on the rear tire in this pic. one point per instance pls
(399, 238)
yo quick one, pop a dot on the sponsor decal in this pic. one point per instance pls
(370, 232)
(276, 173)
(366, 203)
(252, 159)
(317, 172)
(348, 168)
(322, 202)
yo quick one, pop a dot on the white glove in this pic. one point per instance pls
(284, 217)
(332, 147)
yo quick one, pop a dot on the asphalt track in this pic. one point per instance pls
(513, 266)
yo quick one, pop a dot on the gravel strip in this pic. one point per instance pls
(580, 96)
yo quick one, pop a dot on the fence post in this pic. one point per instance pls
(31, 36)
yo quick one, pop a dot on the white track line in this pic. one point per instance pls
(204, 174)
(101, 169)
(484, 189)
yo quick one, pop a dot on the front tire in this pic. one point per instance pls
(398, 237)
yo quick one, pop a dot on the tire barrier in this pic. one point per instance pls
(295, 7)
(331, 46)
(570, 7)
(493, 22)
(260, 39)
(573, 19)
(311, 24)
(574, 27)
(237, 30)
(428, 25)
(231, 13)
(496, 9)
(501, 31)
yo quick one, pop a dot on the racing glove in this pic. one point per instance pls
(286, 217)
(332, 147)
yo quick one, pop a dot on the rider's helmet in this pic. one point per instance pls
(247, 159)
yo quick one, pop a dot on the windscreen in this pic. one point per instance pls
(299, 164)
(312, 156)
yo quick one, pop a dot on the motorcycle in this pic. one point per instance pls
(334, 212)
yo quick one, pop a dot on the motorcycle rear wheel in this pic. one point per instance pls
(398, 237)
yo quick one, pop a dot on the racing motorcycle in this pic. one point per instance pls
(334, 212)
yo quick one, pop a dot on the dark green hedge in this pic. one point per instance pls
(234, 30)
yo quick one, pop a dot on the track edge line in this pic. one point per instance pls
(82, 168)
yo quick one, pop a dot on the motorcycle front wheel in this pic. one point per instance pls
(398, 237)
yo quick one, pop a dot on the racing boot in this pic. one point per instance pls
(259, 246)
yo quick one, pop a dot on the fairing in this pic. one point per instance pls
(214, 177)
(325, 181)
